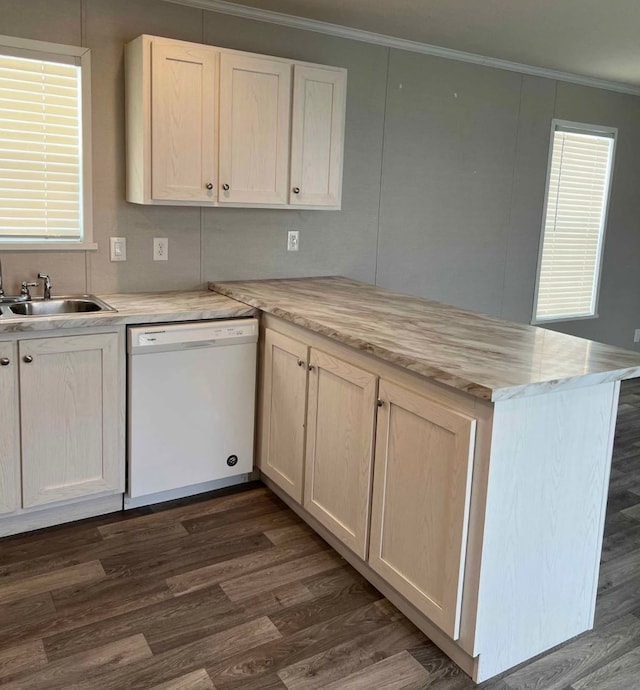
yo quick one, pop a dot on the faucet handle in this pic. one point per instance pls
(24, 288)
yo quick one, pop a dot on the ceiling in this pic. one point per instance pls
(591, 38)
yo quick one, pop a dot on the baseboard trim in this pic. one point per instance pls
(48, 517)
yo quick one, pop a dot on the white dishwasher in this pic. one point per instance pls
(191, 407)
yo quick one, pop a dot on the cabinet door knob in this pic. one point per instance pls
(5, 361)
(380, 403)
(225, 186)
(210, 185)
(300, 363)
(27, 359)
(311, 367)
(296, 190)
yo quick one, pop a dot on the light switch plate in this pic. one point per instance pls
(118, 248)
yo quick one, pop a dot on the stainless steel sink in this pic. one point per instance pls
(59, 305)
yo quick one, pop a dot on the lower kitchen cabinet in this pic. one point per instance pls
(70, 410)
(62, 404)
(421, 493)
(9, 429)
(284, 396)
(339, 449)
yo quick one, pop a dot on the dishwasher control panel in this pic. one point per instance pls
(187, 335)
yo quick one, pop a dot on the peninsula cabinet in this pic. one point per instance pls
(67, 391)
(209, 126)
(480, 520)
(416, 503)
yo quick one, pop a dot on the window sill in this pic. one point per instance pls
(47, 246)
(542, 322)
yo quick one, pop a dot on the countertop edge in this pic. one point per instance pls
(416, 367)
(421, 368)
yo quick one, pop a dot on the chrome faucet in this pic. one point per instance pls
(46, 285)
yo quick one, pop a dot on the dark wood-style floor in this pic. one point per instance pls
(236, 592)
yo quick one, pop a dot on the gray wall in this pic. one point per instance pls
(444, 176)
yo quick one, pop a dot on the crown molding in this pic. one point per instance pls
(224, 7)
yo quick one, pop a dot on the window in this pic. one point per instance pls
(45, 144)
(578, 182)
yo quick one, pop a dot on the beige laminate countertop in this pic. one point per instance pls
(489, 358)
(158, 307)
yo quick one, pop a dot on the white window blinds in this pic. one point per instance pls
(574, 224)
(40, 150)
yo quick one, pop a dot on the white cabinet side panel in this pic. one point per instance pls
(548, 481)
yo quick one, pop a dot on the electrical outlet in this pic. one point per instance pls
(636, 336)
(118, 248)
(293, 240)
(160, 249)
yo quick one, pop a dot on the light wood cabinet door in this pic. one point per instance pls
(183, 122)
(317, 137)
(72, 414)
(421, 493)
(255, 102)
(340, 434)
(284, 399)
(9, 429)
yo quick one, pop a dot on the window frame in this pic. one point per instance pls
(580, 128)
(58, 52)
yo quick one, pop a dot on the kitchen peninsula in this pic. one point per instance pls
(459, 461)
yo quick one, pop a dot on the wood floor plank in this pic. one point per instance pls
(617, 602)
(297, 617)
(215, 573)
(194, 509)
(398, 672)
(24, 657)
(619, 570)
(284, 535)
(248, 670)
(161, 623)
(245, 586)
(180, 556)
(268, 603)
(120, 602)
(261, 506)
(190, 657)
(622, 673)
(444, 673)
(28, 611)
(83, 667)
(48, 582)
(348, 657)
(580, 657)
(133, 531)
(197, 680)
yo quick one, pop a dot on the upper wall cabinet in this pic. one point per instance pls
(208, 126)
(319, 97)
(255, 106)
